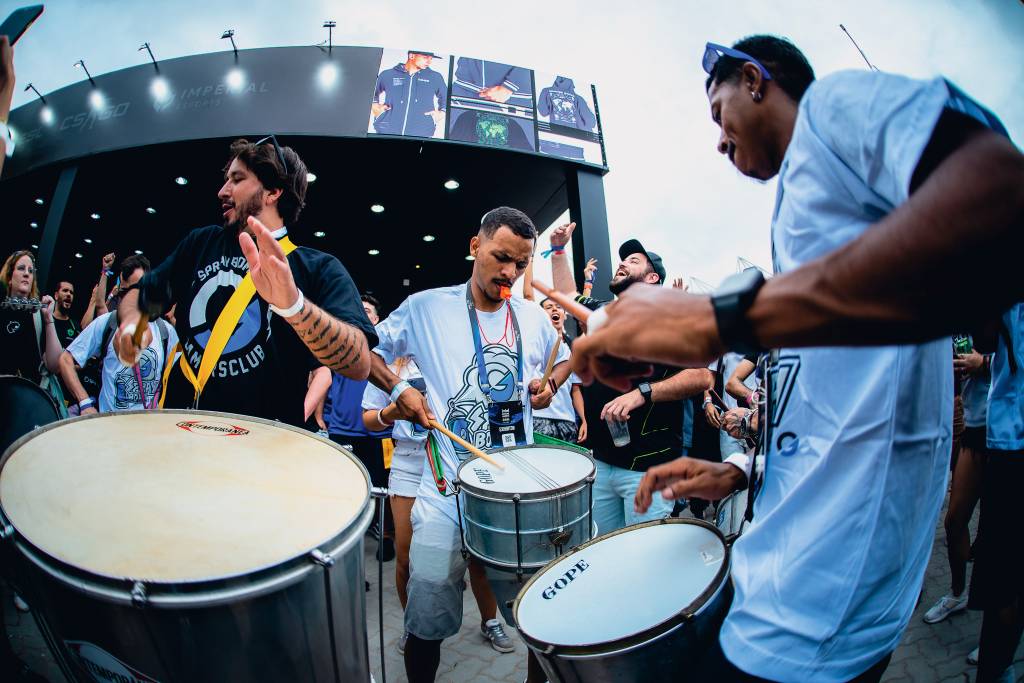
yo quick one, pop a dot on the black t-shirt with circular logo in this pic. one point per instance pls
(264, 368)
(67, 330)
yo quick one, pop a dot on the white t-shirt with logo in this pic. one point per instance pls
(828, 574)
(433, 328)
(561, 405)
(120, 388)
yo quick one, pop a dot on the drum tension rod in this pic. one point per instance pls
(458, 513)
(519, 540)
(139, 597)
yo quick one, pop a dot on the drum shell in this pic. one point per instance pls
(238, 631)
(662, 652)
(664, 657)
(267, 625)
(550, 522)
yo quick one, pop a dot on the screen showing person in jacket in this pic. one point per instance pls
(488, 85)
(409, 98)
(560, 103)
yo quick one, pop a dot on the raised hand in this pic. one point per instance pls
(268, 266)
(561, 235)
(590, 269)
(108, 260)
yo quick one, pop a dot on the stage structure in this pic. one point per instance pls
(408, 147)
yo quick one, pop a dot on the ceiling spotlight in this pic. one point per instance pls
(138, 251)
(429, 238)
(80, 64)
(159, 89)
(87, 240)
(418, 266)
(470, 257)
(451, 184)
(329, 25)
(46, 115)
(319, 233)
(38, 94)
(97, 100)
(150, 210)
(94, 216)
(39, 201)
(35, 246)
(327, 75)
(78, 254)
(181, 180)
(377, 208)
(235, 79)
(33, 224)
(373, 252)
(230, 35)
(310, 177)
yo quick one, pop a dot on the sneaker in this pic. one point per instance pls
(20, 604)
(401, 642)
(494, 631)
(946, 605)
(972, 657)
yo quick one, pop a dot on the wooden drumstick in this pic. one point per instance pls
(574, 309)
(434, 424)
(551, 364)
(140, 329)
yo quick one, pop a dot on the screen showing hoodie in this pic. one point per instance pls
(567, 125)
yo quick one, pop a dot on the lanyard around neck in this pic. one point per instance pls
(474, 325)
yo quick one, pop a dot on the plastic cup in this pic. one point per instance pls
(619, 432)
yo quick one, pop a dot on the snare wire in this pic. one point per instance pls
(531, 470)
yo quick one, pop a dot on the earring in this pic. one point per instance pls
(755, 95)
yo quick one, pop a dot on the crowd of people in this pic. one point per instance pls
(844, 452)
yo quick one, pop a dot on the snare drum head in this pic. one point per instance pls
(621, 585)
(532, 469)
(178, 496)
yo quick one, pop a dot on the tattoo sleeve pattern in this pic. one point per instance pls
(335, 344)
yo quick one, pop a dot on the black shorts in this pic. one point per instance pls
(974, 438)
(997, 578)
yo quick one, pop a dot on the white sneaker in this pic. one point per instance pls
(946, 605)
(972, 657)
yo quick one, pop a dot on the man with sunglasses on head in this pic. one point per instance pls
(254, 314)
(827, 576)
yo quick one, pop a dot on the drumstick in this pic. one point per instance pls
(574, 309)
(434, 424)
(551, 364)
(718, 399)
(140, 329)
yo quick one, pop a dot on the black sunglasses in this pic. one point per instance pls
(277, 148)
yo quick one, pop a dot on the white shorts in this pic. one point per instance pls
(437, 573)
(402, 483)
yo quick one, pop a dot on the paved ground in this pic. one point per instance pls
(927, 654)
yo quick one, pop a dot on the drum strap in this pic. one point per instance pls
(226, 323)
(168, 364)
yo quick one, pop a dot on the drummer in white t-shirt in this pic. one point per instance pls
(461, 337)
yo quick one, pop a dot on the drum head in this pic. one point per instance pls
(529, 469)
(27, 407)
(624, 584)
(178, 496)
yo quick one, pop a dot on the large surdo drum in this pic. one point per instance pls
(190, 546)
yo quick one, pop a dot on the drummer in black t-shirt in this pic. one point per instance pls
(28, 342)
(653, 411)
(263, 366)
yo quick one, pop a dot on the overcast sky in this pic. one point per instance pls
(667, 186)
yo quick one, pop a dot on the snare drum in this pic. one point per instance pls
(523, 516)
(729, 517)
(25, 407)
(191, 546)
(642, 603)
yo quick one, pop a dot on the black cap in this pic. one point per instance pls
(425, 53)
(634, 247)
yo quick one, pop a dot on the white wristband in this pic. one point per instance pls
(291, 310)
(398, 389)
(8, 139)
(86, 402)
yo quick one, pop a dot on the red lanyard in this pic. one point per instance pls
(504, 338)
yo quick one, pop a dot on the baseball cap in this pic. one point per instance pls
(634, 247)
(425, 53)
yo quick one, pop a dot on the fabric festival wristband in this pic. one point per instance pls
(86, 403)
(553, 250)
(291, 310)
(399, 388)
(741, 461)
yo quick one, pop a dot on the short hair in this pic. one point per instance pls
(56, 287)
(372, 300)
(789, 68)
(516, 221)
(132, 263)
(263, 161)
(7, 272)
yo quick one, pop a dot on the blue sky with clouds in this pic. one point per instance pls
(667, 186)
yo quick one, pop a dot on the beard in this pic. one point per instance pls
(619, 286)
(251, 207)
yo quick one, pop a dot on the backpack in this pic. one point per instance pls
(47, 381)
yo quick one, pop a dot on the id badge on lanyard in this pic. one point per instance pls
(505, 417)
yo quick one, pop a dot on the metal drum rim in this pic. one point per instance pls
(617, 645)
(186, 592)
(484, 494)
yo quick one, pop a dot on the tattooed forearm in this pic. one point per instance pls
(335, 344)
